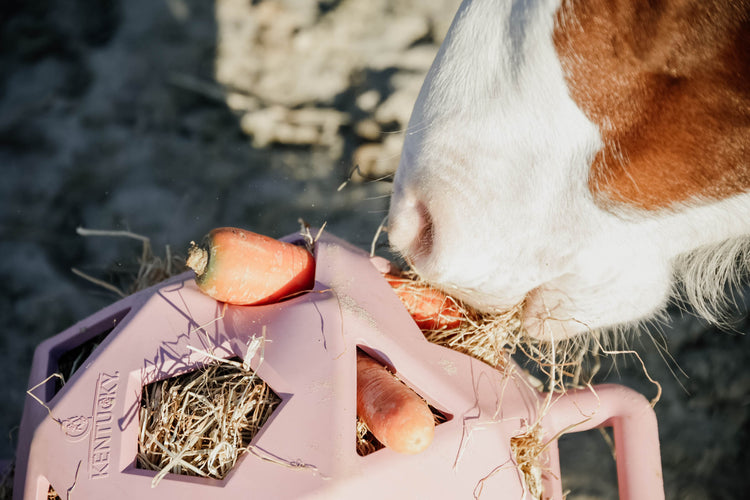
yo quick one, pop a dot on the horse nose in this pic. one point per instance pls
(410, 228)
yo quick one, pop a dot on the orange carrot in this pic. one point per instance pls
(241, 267)
(431, 309)
(395, 414)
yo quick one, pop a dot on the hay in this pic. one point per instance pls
(528, 449)
(152, 269)
(366, 443)
(200, 423)
(484, 337)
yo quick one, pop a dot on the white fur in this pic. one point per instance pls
(496, 159)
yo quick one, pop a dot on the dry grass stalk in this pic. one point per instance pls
(528, 450)
(485, 337)
(152, 269)
(200, 423)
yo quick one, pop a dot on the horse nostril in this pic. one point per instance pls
(425, 234)
(410, 228)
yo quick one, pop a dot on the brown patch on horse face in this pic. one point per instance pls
(668, 84)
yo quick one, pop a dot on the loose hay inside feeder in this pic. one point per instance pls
(200, 423)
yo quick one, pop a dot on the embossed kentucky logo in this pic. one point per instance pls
(101, 437)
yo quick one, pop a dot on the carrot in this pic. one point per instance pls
(395, 414)
(241, 267)
(431, 309)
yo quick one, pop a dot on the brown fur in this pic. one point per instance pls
(668, 84)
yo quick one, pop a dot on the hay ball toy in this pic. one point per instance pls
(171, 393)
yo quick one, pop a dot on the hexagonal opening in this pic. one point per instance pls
(201, 422)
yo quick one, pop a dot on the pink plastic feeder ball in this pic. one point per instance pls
(83, 441)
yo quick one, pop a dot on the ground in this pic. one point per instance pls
(170, 117)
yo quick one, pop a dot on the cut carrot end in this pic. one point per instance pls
(197, 259)
(396, 415)
(240, 267)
